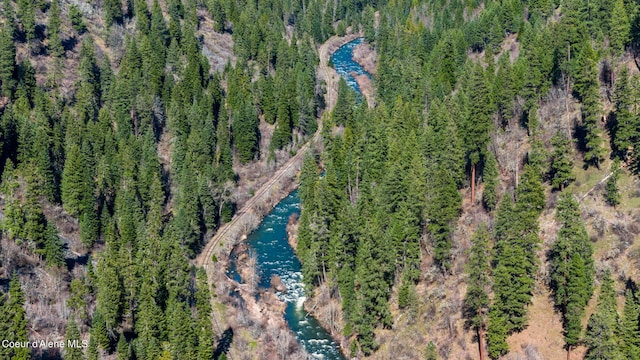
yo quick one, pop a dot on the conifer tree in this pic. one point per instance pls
(92, 349)
(571, 269)
(27, 16)
(7, 61)
(477, 127)
(18, 321)
(588, 88)
(75, 16)
(625, 129)
(9, 16)
(561, 172)
(443, 209)
(476, 302)
(620, 28)
(602, 328)
(158, 25)
(123, 350)
(99, 334)
(72, 334)
(490, 177)
(612, 193)
(112, 12)
(142, 16)
(182, 338)
(5, 326)
(55, 42)
(203, 305)
(245, 132)
(497, 332)
(630, 327)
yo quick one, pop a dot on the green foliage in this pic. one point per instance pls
(77, 21)
(630, 326)
(15, 324)
(123, 350)
(476, 301)
(442, 210)
(497, 334)
(561, 168)
(478, 126)
(73, 334)
(112, 12)
(602, 327)
(27, 17)
(588, 88)
(625, 128)
(55, 41)
(611, 190)
(431, 352)
(490, 177)
(7, 60)
(620, 28)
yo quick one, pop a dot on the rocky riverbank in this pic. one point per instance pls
(366, 56)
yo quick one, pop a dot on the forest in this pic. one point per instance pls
(498, 168)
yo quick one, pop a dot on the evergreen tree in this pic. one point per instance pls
(431, 352)
(625, 128)
(497, 332)
(477, 127)
(55, 42)
(112, 12)
(561, 172)
(600, 338)
(620, 28)
(588, 88)
(7, 61)
(612, 193)
(630, 327)
(181, 333)
(372, 278)
(123, 350)
(27, 16)
(443, 209)
(5, 326)
(578, 293)
(245, 132)
(476, 302)
(9, 16)
(92, 349)
(203, 306)
(18, 322)
(75, 16)
(72, 334)
(142, 16)
(490, 177)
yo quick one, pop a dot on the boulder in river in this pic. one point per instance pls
(277, 284)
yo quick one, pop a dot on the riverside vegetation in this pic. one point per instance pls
(501, 159)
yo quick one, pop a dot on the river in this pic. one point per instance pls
(275, 256)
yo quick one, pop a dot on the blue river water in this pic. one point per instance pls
(275, 256)
(344, 65)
